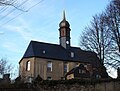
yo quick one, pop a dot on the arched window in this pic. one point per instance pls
(63, 32)
(28, 65)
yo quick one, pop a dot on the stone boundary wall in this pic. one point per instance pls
(71, 85)
(103, 86)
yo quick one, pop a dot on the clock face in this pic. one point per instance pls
(67, 42)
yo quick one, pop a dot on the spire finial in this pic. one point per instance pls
(64, 18)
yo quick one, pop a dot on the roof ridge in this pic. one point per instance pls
(44, 43)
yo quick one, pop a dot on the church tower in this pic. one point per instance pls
(64, 31)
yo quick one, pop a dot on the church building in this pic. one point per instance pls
(55, 61)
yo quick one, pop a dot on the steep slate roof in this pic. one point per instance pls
(54, 51)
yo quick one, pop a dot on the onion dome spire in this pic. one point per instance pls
(64, 18)
(64, 30)
(64, 22)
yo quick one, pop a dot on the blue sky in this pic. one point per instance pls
(41, 23)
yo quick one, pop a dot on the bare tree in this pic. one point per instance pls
(113, 22)
(6, 2)
(4, 66)
(103, 35)
(13, 3)
(96, 37)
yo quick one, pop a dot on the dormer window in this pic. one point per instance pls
(28, 65)
(44, 51)
(72, 54)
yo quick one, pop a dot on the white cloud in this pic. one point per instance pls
(22, 28)
(11, 47)
(1, 32)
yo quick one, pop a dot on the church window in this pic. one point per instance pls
(63, 32)
(28, 65)
(98, 76)
(49, 66)
(65, 67)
